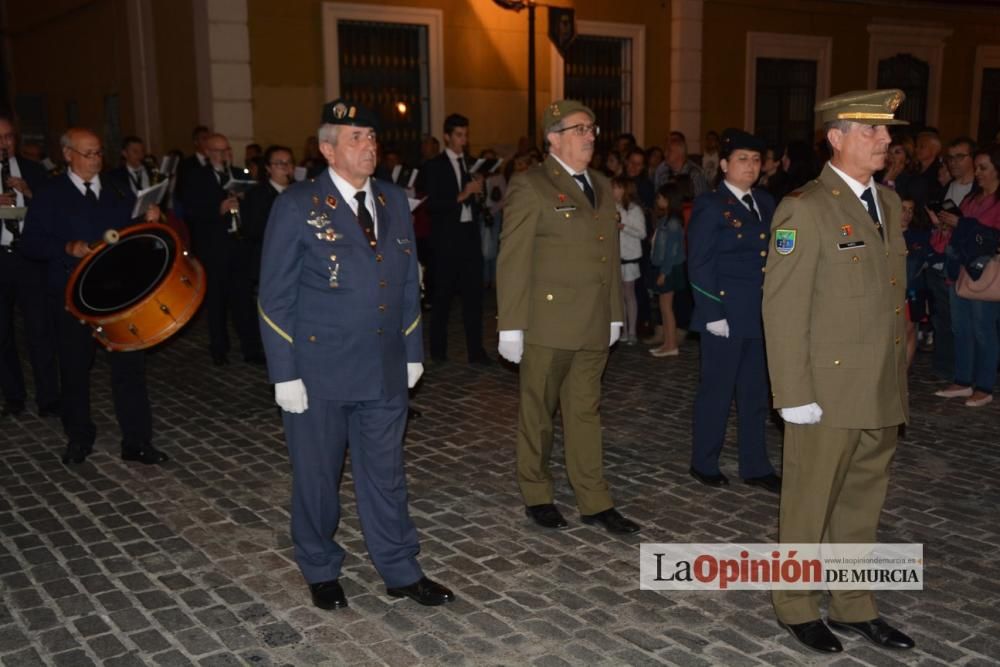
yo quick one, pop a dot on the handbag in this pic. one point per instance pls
(987, 288)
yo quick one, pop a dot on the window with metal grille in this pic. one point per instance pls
(989, 107)
(911, 75)
(785, 97)
(384, 67)
(598, 72)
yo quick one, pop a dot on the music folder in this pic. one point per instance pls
(238, 186)
(151, 196)
(484, 167)
(168, 165)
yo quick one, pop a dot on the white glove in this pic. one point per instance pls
(413, 373)
(616, 332)
(291, 396)
(803, 414)
(718, 328)
(511, 346)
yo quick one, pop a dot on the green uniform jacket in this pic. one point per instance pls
(834, 306)
(558, 273)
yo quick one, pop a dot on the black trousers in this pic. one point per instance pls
(229, 291)
(128, 384)
(461, 274)
(22, 284)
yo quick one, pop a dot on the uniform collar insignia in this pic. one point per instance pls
(315, 200)
(381, 198)
(331, 201)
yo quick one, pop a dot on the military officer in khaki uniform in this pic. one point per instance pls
(834, 322)
(560, 308)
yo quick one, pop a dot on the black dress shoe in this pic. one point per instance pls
(328, 595)
(425, 591)
(612, 520)
(546, 516)
(770, 482)
(815, 636)
(12, 408)
(877, 632)
(710, 480)
(145, 454)
(76, 453)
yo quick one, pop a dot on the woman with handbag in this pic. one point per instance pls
(973, 321)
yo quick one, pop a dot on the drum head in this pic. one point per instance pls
(123, 274)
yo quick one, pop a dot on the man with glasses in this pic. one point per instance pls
(64, 219)
(279, 166)
(22, 284)
(213, 213)
(559, 297)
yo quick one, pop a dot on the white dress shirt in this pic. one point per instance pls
(740, 194)
(573, 173)
(95, 183)
(466, 207)
(349, 191)
(15, 172)
(857, 188)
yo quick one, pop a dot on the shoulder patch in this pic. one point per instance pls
(784, 241)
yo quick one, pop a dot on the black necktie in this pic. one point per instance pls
(463, 171)
(753, 209)
(220, 176)
(137, 180)
(90, 194)
(869, 200)
(365, 219)
(587, 190)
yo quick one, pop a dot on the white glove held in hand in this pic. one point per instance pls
(511, 346)
(413, 373)
(803, 414)
(718, 328)
(616, 332)
(291, 396)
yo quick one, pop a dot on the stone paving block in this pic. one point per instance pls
(72, 659)
(172, 658)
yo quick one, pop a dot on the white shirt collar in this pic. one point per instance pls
(95, 183)
(278, 187)
(857, 187)
(348, 192)
(567, 168)
(452, 155)
(736, 191)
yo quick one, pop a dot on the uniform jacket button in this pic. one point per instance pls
(855, 259)
(897, 310)
(763, 253)
(897, 340)
(763, 236)
(378, 257)
(836, 362)
(312, 339)
(381, 283)
(548, 297)
(892, 281)
(604, 259)
(381, 308)
(739, 236)
(722, 292)
(601, 237)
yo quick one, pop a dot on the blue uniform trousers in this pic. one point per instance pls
(731, 367)
(317, 443)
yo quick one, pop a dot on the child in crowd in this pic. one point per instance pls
(667, 259)
(631, 232)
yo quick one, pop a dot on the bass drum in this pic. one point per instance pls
(137, 291)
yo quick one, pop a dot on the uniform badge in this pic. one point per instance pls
(331, 201)
(562, 198)
(339, 110)
(736, 223)
(784, 241)
(329, 235)
(317, 220)
(315, 200)
(845, 230)
(334, 275)
(381, 198)
(555, 110)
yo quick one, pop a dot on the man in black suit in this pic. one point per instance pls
(22, 283)
(132, 173)
(64, 219)
(458, 259)
(193, 162)
(279, 165)
(213, 214)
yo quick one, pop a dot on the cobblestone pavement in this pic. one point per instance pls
(190, 563)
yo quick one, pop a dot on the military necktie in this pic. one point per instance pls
(873, 210)
(137, 180)
(587, 190)
(365, 219)
(753, 209)
(90, 195)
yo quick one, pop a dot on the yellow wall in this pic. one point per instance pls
(728, 21)
(485, 51)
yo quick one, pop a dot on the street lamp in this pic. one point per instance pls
(518, 5)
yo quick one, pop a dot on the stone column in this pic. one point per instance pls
(685, 70)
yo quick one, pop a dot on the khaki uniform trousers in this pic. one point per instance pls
(833, 486)
(570, 380)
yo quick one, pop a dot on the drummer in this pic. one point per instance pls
(65, 218)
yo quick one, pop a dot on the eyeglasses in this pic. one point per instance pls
(89, 154)
(955, 157)
(581, 130)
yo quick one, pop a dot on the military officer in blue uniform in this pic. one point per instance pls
(727, 249)
(340, 320)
